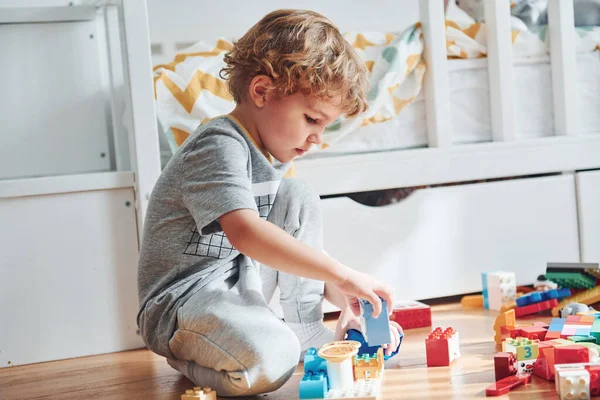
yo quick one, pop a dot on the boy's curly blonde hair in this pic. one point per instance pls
(301, 51)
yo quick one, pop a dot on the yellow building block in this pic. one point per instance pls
(506, 318)
(474, 301)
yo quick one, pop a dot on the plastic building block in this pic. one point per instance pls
(363, 389)
(504, 365)
(595, 331)
(536, 308)
(411, 314)
(572, 382)
(313, 362)
(484, 291)
(586, 297)
(507, 384)
(533, 332)
(499, 289)
(523, 348)
(544, 365)
(199, 393)
(367, 366)
(555, 328)
(536, 297)
(525, 366)
(582, 339)
(442, 347)
(594, 371)
(339, 359)
(474, 301)
(375, 330)
(574, 280)
(313, 385)
(530, 298)
(505, 319)
(571, 354)
(364, 348)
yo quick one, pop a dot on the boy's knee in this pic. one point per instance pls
(274, 362)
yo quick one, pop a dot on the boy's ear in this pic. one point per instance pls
(259, 90)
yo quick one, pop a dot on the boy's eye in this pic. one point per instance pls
(310, 120)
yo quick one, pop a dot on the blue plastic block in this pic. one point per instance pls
(536, 297)
(313, 362)
(563, 292)
(484, 291)
(583, 331)
(353, 334)
(376, 330)
(313, 386)
(557, 324)
(529, 298)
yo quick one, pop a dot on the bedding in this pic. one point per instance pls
(189, 90)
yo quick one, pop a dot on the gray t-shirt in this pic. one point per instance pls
(216, 171)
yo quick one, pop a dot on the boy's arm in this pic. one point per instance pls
(272, 246)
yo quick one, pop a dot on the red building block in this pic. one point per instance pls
(544, 365)
(571, 354)
(509, 332)
(536, 308)
(541, 324)
(411, 314)
(507, 384)
(441, 347)
(594, 371)
(504, 365)
(533, 332)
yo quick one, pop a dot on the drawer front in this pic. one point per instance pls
(588, 197)
(437, 241)
(69, 276)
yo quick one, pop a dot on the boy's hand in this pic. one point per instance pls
(395, 330)
(358, 285)
(348, 320)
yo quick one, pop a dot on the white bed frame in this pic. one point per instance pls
(87, 304)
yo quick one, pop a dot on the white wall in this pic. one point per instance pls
(188, 21)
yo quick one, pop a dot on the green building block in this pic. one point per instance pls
(574, 280)
(582, 339)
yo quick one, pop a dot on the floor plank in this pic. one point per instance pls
(139, 374)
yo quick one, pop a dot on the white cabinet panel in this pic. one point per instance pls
(68, 268)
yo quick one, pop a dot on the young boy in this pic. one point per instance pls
(224, 228)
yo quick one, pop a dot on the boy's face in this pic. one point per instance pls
(289, 126)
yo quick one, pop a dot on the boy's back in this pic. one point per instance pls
(217, 170)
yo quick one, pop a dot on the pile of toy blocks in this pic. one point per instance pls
(564, 350)
(352, 368)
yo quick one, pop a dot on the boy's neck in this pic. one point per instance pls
(244, 116)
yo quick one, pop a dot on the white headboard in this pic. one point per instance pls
(177, 24)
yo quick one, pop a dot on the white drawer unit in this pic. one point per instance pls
(588, 199)
(438, 241)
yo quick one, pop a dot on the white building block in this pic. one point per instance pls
(501, 289)
(572, 382)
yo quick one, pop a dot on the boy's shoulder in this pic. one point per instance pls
(220, 130)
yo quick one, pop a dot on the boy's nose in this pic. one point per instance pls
(316, 138)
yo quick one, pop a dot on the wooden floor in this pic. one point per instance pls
(141, 375)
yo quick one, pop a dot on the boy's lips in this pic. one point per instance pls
(300, 151)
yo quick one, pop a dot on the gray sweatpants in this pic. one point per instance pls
(231, 339)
